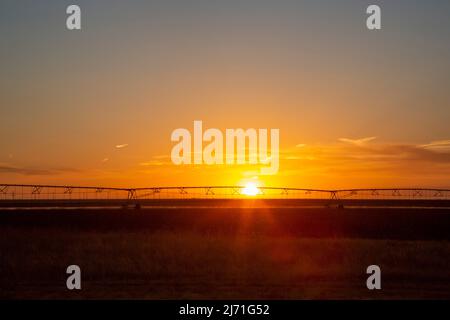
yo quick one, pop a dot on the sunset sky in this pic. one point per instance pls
(355, 108)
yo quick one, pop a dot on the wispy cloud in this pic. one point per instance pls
(152, 163)
(162, 156)
(158, 160)
(33, 171)
(105, 160)
(376, 164)
(121, 146)
(439, 145)
(357, 142)
(399, 156)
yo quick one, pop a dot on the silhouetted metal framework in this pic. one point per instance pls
(49, 192)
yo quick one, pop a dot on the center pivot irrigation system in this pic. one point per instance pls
(23, 195)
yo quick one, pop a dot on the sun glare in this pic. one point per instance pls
(250, 189)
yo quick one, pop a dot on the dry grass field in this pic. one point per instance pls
(225, 253)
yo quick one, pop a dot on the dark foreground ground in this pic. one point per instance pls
(226, 253)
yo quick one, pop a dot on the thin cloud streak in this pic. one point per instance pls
(32, 171)
(357, 142)
(440, 145)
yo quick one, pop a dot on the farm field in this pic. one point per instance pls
(225, 253)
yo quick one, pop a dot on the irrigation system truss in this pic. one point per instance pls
(19, 192)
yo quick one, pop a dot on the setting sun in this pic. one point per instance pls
(250, 189)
